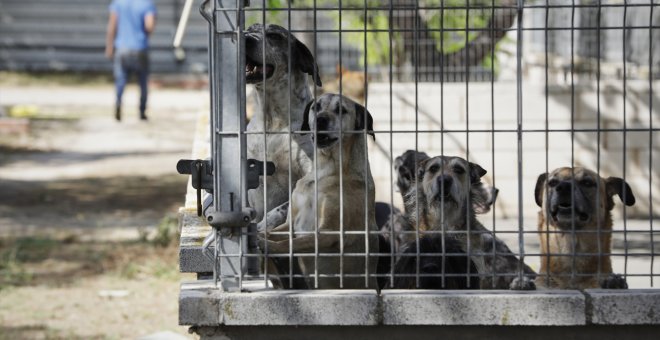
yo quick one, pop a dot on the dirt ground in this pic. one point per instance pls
(88, 231)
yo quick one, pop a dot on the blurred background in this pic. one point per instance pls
(88, 205)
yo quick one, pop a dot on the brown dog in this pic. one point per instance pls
(326, 227)
(576, 219)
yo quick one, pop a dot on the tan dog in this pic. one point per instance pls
(336, 120)
(576, 219)
(447, 194)
(278, 65)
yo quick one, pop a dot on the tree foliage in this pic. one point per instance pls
(382, 33)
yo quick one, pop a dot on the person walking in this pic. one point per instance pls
(127, 41)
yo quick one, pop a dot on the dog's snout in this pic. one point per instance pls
(322, 122)
(445, 181)
(563, 187)
(253, 39)
(252, 35)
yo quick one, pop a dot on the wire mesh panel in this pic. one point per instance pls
(434, 144)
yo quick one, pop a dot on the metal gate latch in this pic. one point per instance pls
(202, 176)
(255, 169)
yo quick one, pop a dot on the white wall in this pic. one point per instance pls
(473, 108)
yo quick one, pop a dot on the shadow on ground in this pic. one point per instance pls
(90, 202)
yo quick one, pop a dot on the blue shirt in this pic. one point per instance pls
(130, 23)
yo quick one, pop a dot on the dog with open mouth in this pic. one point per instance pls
(443, 200)
(278, 65)
(341, 162)
(575, 228)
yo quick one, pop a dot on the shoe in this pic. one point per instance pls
(143, 116)
(118, 113)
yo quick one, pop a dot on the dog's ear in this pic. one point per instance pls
(483, 197)
(360, 112)
(305, 123)
(476, 172)
(616, 185)
(305, 60)
(538, 190)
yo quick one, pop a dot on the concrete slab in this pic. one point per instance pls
(624, 307)
(333, 307)
(193, 231)
(202, 304)
(198, 304)
(552, 308)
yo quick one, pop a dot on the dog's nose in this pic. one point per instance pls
(563, 187)
(251, 41)
(445, 182)
(322, 123)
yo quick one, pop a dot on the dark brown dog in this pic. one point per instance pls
(407, 166)
(576, 219)
(448, 190)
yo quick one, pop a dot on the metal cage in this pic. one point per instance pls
(519, 87)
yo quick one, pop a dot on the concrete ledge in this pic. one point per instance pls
(198, 304)
(325, 308)
(556, 308)
(193, 231)
(267, 307)
(624, 307)
(201, 304)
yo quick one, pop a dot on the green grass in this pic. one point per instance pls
(167, 231)
(42, 260)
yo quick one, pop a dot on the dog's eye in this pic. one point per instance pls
(340, 110)
(553, 182)
(434, 168)
(587, 182)
(458, 170)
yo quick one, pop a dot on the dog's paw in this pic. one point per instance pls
(614, 281)
(264, 244)
(261, 241)
(261, 226)
(524, 284)
(274, 218)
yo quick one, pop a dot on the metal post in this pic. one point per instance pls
(227, 138)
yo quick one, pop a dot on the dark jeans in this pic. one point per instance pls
(129, 62)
